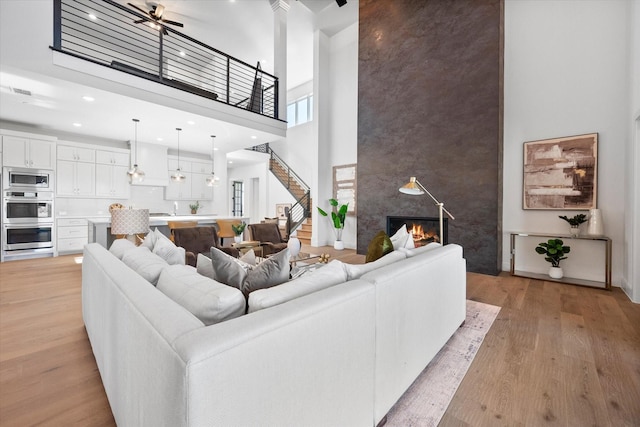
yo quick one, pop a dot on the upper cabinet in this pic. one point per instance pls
(194, 187)
(28, 153)
(152, 159)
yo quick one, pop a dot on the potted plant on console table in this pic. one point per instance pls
(338, 215)
(554, 251)
(575, 222)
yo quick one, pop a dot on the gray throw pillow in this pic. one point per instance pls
(234, 272)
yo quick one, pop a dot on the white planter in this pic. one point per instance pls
(338, 245)
(556, 272)
(237, 239)
(574, 230)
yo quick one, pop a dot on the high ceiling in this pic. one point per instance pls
(241, 28)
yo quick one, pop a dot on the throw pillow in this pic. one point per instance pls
(204, 266)
(168, 251)
(234, 272)
(150, 240)
(399, 239)
(120, 246)
(379, 246)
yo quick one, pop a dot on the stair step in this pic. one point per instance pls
(303, 234)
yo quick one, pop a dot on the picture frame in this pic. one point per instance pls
(344, 186)
(282, 209)
(561, 173)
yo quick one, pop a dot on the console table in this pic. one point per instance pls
(569, 280)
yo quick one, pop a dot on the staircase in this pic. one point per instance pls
(300, 213)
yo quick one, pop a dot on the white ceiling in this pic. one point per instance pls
(241, 28)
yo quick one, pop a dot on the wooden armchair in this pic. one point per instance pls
(199, 240)
(269, 235)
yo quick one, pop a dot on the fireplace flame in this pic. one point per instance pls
(421, 237)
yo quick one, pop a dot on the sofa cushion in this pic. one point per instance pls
(324, 277)
(167, 250)
(354, 271)
(120, 246)
(204, 265)
(150, 239)
(421, 249)
(147, 264)
(379, 246)
(208, 300)
(233, 272)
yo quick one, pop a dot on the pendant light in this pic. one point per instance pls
(178, 176)
(212, 180)
(135, 173)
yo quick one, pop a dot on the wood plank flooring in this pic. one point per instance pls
(556, 355)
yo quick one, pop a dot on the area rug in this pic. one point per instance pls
(425, 402)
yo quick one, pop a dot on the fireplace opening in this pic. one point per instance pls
(424, 229)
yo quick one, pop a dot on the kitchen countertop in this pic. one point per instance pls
(163, 219)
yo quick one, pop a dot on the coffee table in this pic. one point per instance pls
(303, 263)
(246, 245)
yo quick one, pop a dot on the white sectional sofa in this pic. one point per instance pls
(338, 356)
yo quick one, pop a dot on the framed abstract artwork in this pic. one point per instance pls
(344, 186)
(561, 173)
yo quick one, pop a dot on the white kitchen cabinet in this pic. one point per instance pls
(201, 167)
(75, 178)
(199, 188)
(178, 190)
(27, 153)
(72, 235)
(78, 154)
(185, 165)
(112, 158)
(112, 181)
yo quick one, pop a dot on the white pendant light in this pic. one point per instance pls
(135, 173)
(178, 176)
(212, 180)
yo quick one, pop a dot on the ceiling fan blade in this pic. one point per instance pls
(177, 24)
(140, 21)
(144, 12)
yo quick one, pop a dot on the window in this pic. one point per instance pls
(237, 200)
(300, 111)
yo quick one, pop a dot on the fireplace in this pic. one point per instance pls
(424, 229)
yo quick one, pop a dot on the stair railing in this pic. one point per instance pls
(301, 210)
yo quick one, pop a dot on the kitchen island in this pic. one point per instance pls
(100, 228)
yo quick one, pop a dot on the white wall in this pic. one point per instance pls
(631, 281)
(566, 73)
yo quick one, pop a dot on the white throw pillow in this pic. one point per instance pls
(234, 272)
(150, 240)
(208, 300)
(402, 238)
(167, 250)
(120, 246)
(322, 278)
(354, 271)
(145, 263)
(204, 265)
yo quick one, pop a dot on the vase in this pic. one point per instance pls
(294, 246)
(237, 239)
(574, 231)
(556, 272)
(193, 211)
(595, 226)
(338, 245)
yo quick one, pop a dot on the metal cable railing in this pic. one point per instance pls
(104, 32)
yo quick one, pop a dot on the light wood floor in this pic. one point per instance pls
(556, 354)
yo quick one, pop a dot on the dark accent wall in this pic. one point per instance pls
(430, 106)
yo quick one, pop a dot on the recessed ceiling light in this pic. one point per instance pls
(253, 137)
(191, 122)
(230, 161)
(88, 98)
(158, 139)
(215, 149)
(182, 53)
(77, 125)
(93, 17)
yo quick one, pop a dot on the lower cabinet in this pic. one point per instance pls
(72, 235)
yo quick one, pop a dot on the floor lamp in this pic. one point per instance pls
(414, 188)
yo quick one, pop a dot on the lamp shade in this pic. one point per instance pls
(129, 221)
(411, 187)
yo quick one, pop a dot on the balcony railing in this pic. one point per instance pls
(104, 32)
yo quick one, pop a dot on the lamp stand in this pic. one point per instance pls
(410, 188)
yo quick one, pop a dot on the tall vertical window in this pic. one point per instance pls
(237, 200)
(300, 111)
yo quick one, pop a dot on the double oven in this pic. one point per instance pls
(27, 213)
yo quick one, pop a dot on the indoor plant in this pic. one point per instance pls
(238, 229)
(194, 207)
(575, 222)
(338, 215)
(554, 251)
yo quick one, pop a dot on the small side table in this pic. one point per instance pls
(568, 280)
(246, 245)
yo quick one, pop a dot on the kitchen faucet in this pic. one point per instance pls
(175, 208)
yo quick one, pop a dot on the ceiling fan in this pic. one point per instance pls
(155, 16)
